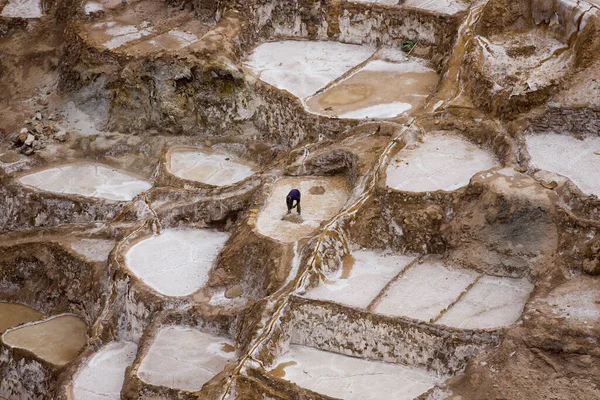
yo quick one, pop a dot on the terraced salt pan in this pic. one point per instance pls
(114, 34)
(322, 198)
(386, 2)
(424, 290)
(12, 314)
(449, 7)
(93, 249)
(568, 156)
(304, 67)
(440, 162)
(211, 168)
(22, 9)
(358, 284)
(98, 5)
(441, 6)
(176, 262)
(351, 378)
(380, 89)
(89, 180)
(523, 61)
(57, 340)
(184, 358)
(491, 303)
(103, 376)
(175, 39)
(577, 300)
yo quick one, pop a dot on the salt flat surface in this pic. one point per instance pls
(441, 162)
(103, 375)
(316, 208)
(94, 249)
(358, 284)
(578, 299)
(207, 167)
(441, 6)
(89, 180)
(568, 156)
(386, 2)
(97, 5)
(176, 262)
(91, 7)
(12, 314)
(534, 57)
(424, 290)
(351, 378)
(172, 40)
(491, 303)
(380, 89)
(185, 358)
(114, 34)
(303, 67)
(22, 9)
(57, 340)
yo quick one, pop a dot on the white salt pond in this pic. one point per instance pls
(351, 378)
(185, 358)
(322, 198)
(449, 7)
(22, 9)
(98, 5)
(441, 162)
(176, 262)
(459, 297)
(364, 274)
(114, 34)
(93, 249)
(578, 160)
(211, 168)
(103, 375)
(12, 314)
(380, 89)
(577, 300)
(386, 2)
(89, 180)
(57, 340)
(175, 39)
(491, 303)
(304, 67)
(424, 290)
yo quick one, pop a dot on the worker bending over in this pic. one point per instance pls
(293, 195)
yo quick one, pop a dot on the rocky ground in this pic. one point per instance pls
(447, 154)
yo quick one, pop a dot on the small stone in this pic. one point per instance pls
(29, 140)
(233, 292)
(38, 129)
(585, 360)
(38, 116)
(550, 185)
(591, 267)
(597, 152)
(21, 138)
(61, 135)
(24, 131)
(27, 151)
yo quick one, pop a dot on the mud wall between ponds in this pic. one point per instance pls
(21, 377)
(332, 327)
(52, 280)
(22, 208)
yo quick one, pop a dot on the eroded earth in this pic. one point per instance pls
(448, 156)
